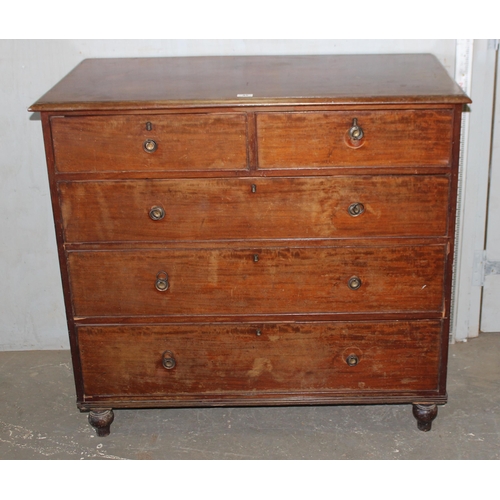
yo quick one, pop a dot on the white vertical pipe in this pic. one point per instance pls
(474, 190)
(463, 76)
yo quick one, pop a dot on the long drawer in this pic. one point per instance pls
(179, 361)
(254, 208)
(258, 280)
(321, 139)
(124, 143)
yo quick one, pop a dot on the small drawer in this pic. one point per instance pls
(258, 281)
(223, 360)
(125, 143)
(258, 208)
(387, 138)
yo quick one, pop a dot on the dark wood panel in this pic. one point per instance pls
(217, 209)
(391, 138)
(282, 280)
(59, 234)
(116, 143)
(222, 359)
(143, 83)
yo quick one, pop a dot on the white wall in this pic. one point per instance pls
(31, 303)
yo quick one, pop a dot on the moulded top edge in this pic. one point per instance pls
(42, 106)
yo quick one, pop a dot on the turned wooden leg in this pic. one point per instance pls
(425, 414)
(101, 420)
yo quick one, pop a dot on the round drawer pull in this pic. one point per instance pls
(352, 360)
(356, 132)
(156, 213)
(354, 283)
(161, 283)
(150, 146)
(356, 209)
(168, 360)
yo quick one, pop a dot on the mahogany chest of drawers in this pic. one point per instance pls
(255, 230)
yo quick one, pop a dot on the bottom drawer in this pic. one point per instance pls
(186, 362)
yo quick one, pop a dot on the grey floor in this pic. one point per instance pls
(39, 420)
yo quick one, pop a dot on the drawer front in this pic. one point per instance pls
(215, 209)
(118, 143)
(173, 361)
(390, 138)
(257, 281)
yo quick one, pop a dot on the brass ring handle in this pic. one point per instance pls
(354, 283)
(352, 360)
(156, 213)
(162, 283)
(168, 360)
(356, 132)
(150, 146)
(356, 209)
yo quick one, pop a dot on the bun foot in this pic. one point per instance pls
(425, 414)
(101, 420)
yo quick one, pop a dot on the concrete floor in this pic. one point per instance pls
(39, 420)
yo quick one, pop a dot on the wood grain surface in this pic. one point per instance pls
(283, 280)
(184, 142)
(391, 138)
(156, 83)
(223, 359)
(249, 208)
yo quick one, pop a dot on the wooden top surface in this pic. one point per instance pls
(161, 83)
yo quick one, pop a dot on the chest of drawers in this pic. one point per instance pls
(255, 230)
